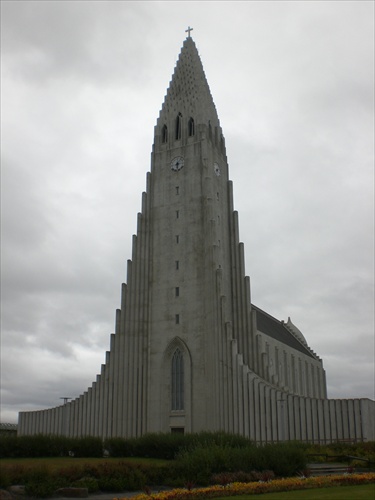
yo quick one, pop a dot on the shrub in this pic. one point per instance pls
(218, 438)
(5, 479)
(8, 445)
(41, 489)
(201, 462)
(167, 446)
(105, 474)
(120, 476)
(86, 447)
(150, 446)
(284, 459)
(87, 482)
(119, 447)
(72, 473)
(13, 473)
(49, 446)
(225, 478)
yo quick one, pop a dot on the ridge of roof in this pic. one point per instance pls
(8, 426)
(279, 331)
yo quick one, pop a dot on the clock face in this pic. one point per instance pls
(177, 163)
(216, 169)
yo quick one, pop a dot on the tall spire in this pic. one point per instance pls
(188, 92)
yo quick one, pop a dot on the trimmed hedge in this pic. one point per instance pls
(49, 446)
(199, 464)
(340, 451)
(167, 446)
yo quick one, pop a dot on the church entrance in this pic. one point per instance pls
(177, 430)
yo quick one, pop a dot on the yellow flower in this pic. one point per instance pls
(291, 483)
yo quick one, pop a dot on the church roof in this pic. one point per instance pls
(188, 92)
(279, 331)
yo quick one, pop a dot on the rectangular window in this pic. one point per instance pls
(177, 265)
(177, 190)
(177, 291)
(177, 238)
(177, 319)
(177, 214)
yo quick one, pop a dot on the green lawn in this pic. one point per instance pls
(363, 492)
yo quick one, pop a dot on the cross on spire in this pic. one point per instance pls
(188, 31)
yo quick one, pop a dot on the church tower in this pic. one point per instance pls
(187, 268)
(194, 253)
(190, 352)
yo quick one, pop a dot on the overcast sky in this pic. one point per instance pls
(82, 84)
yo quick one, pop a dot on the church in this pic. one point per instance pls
(190, 351)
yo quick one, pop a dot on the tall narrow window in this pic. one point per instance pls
(177, 238)
(191, 127)
(177, 291)
(177, 380)
(177, 190)
(177, 214)
(177, 319)
(177, 265)
(178, 126)
(164, 134)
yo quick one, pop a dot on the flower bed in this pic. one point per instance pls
(254, 488)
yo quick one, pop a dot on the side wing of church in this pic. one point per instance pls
(190, 351)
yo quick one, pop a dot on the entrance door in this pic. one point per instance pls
(177, 430)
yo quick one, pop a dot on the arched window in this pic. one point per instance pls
(191, 127)
(178, 126)
(177, 380)
(164, 134)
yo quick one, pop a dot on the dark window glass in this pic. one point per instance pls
(178, 126)
(177, 380)
(191, 127)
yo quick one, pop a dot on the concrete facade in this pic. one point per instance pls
(190, 352)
